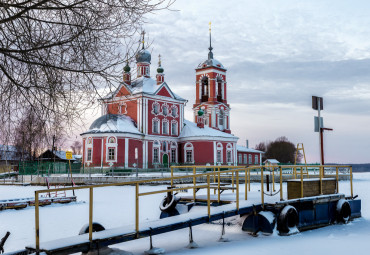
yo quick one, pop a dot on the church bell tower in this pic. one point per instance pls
(211, 92)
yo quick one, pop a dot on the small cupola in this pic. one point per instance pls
(160, 70)
(127, 74)
(143, 58)
(200, 119)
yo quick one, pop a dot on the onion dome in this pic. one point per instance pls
(143, 56)
(127, 68)
(200, 112)
(160, 68)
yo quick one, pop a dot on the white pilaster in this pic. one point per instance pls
(214, 153)
(126, 152)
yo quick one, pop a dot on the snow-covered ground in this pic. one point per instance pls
(114, 207)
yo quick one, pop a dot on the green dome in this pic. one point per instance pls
(160, 69)
(126, 69)
(200, 112)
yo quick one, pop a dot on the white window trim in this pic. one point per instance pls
(156, 146)
(89, 146)
(159, 107)
(177, 127)
(229, 148)
(219, 147)
(256, 161)
(159, 125)
(167, 131)
(189, 148)
(111, 145)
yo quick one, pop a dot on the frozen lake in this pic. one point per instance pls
(114, 207)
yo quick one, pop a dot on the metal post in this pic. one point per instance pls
(172, 176)
(249, 179)
(232, 181)
(237, 189)
(218, 186)
(37, 223)
(194, 182)
(91, 201)
(137, 209)
(262, 192)
(208, 196)
(321, 170)
(336, 168)
(281, 183)
(246, 183)
(273, 179)
(351, 177)
(320, 131)
(301, 182)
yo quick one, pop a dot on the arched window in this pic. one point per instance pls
(204, 90)
(188, 153)
(221, 116)
(219, 153)
(229, 153)
(165, 110)
(111, 150)
(155, 126)
(174, 111)
(156, 147)
(89, 149)
(164, 146)
(173, 152)
(165, 127)
(219, 89)
(155, 107)
(112, 140)
(174, 127)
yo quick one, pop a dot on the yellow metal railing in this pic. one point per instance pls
(215, 172)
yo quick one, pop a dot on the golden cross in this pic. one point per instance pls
(210, 26)
(143, 33)
(159, 61)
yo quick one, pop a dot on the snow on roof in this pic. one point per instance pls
(113, 123)
(191, 130)
(62, 155)
(143, 85)
(272, 161)
(211, 62)
(9, 152)
(245, 149)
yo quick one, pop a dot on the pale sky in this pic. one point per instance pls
(278, 54)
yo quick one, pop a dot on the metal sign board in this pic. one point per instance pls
(315, 103)
(316, 120)
(136, 154)
(69, 155)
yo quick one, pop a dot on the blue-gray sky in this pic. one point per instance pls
(278, 54)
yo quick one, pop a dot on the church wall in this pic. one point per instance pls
(134, 143)
(121, 152)
(161, 117)
(96, 158)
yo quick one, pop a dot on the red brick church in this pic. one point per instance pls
(143, 123)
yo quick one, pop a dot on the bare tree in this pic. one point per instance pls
(56, 55)
(29, 135)
(76, 147)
